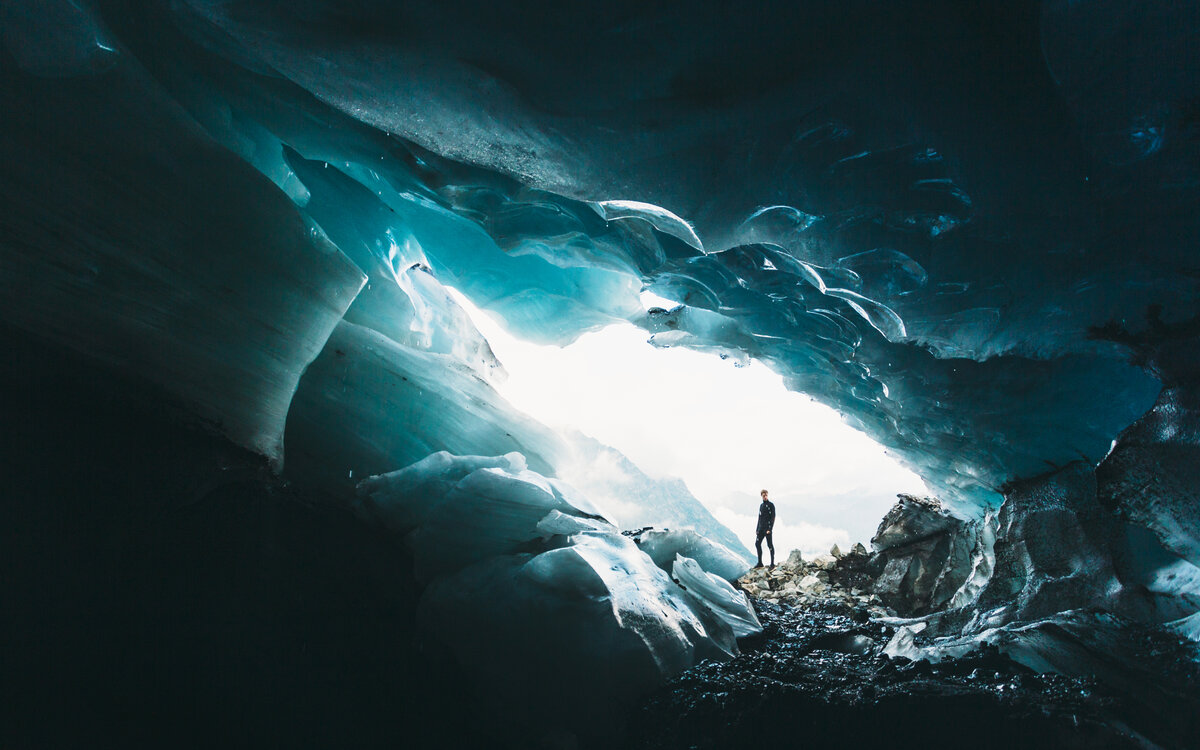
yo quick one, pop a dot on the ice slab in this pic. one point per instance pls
(463, 509)
(718, 596)
(663, 545)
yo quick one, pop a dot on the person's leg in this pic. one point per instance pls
(758, 546)
(770, 546)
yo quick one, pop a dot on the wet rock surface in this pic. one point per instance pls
(1152, 475)
(923, 555)
(818, 676)
(1059, 548)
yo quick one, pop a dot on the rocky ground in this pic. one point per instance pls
(817, 678)
(835, 578)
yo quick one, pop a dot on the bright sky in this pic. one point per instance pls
(726, 431)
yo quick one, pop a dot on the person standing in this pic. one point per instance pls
(766, 524)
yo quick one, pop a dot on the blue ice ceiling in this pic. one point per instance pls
(971, 234)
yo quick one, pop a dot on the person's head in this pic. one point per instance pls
(763, 494)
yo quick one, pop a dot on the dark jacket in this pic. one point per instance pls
(766, 517)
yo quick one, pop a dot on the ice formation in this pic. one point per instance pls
(972, 233)
(907, 289)
(664, 545)
(715, 596)
(570, 603)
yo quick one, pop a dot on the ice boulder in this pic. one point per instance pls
(1057, 547)
(924, 555)
(664, 545)
(463, 509)
(717, 596)
(568, 635)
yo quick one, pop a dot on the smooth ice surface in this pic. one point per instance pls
(368, 405)
(165, 255)
(62, 40)
(717, 595)
(664, 545)
(465, 509)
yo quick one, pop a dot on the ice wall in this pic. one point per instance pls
(131, 236)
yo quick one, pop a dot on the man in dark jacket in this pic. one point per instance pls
(766, 523)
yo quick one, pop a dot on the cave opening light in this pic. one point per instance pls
(726, 429)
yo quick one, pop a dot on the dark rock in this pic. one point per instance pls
(1152, 475)
(846, 643)
(1049, 545)
(910, 520)
(923, 555)
(1058, 548)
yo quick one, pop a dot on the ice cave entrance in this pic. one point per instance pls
(725, 430)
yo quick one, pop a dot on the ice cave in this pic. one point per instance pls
(262, 488)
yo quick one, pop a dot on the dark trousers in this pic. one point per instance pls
(770, 545)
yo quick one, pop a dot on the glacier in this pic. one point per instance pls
(228, 238)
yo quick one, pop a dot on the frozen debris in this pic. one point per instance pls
(912, 519)
(924, 554)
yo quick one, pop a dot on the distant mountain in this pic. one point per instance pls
(633, 499)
